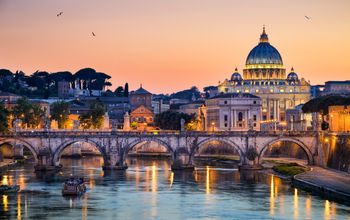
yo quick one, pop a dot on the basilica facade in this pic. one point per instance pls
(265, 77)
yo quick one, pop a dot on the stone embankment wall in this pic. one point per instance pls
(338, 152)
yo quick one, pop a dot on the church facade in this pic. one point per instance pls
(265, 77)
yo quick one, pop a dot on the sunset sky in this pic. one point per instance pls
(173, 45)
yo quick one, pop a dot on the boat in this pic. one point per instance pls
(9, 188)
(71, 189)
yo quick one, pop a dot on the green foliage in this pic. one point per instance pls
(4, 114)
(94, 117)
(170, 120)
(30, 113)
(60, 112)
(252, 154)
(289, 169)
(322, 103)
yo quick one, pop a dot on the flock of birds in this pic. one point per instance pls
(61, 13)
(94, 35)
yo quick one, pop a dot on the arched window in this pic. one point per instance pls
(240, 116)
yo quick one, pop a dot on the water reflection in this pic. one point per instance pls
(149, 189)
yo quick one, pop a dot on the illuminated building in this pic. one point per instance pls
(141, 108)
(232, 112)
(265, 77)
(339, 118)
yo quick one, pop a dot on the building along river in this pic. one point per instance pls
(148, 189)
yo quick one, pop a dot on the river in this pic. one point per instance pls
(148, 189)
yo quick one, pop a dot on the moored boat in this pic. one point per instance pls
(9, 188)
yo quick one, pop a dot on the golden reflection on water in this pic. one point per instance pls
(272, 197)
(4, 180)
(154, 177)
(329, 209)
(207, 182)
(195, 174)
(5, 202)
(171, 179)
(308, 205)
(84, 208)
(296, 205)
(19, 207)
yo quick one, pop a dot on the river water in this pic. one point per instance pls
(148, 189)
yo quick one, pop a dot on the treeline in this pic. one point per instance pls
(42, 84)
(32, 115)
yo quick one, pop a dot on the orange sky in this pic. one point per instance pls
(172, 45)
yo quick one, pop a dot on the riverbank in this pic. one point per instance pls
(325, 182)
(7, 163)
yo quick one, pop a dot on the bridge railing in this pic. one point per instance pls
(88, 132)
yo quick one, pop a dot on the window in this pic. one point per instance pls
(225, 124)
(291, 90)
(141, 109)
(240, 116)
(225, 117)
(254, 102)
(246, 90)
(254, 124)
(254, 117)
(257, 90)
(225, 102)
(264, 117)
(281, 90)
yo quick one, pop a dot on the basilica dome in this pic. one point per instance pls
(292, 76)
(236, 76)
(264, 55)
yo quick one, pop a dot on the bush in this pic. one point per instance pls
(289, 169)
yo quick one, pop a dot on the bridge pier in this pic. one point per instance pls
(44, 162)
(182, 161)
(17, 152)
(116, 162)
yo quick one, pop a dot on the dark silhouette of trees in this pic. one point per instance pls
(126, 90)
(60, 112)
(31, 114)
(4, 118)
(170, 120)
(94, 117)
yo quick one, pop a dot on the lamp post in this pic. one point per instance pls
(212, 125)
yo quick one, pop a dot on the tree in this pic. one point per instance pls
(252, 154)
(30, 113)
(170, 120)
(119, 91)
(60, 112)
(94, 117)
(4, 113)
(126, 90)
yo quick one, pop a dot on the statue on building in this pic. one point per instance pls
(47, 124)
(114, 125)
(126, 126)
(17, 124)
(182, 122)
(76, 124)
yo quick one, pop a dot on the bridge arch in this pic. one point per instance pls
(225, 140)
(13, 141)
(303, 146)
(64, 145)
(133, 143)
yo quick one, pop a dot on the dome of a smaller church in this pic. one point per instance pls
(292, 76)
(236, 76)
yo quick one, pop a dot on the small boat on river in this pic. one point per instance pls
(9, 188)
(73, 188)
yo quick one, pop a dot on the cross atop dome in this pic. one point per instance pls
(263, 36)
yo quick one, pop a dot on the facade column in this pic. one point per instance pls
(246, 119)
(233, 113)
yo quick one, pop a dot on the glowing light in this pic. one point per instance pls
(171, 179)
(296, 206)
(308, 206)
(4, 180)
(326, 208)
(207, 183)
(154, 178)
(272, 197)
(19, 207)
(326, 140)
(5, 202)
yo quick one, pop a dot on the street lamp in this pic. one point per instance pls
(212, 125)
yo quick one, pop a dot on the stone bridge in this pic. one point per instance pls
(47, 146)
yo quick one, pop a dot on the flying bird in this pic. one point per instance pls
(93, 34)
(59, 14)
(307, 17)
